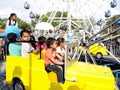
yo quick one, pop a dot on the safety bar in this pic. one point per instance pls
(104, 28)
(67, 47)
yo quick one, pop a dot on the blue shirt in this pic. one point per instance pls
(15, 49)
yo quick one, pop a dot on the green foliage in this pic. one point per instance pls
(22, 24)
(58, 14)
(92, 20)
(33, 23)
(112, 19)
(3, 23)
(45, 18)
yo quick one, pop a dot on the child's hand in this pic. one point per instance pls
(61, 63)
(69, 58)
(35, 51)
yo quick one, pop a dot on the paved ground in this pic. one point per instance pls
(2, 76)
(2, 66)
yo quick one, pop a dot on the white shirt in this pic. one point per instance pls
(26, 48)
(12, 23)
(59, 50)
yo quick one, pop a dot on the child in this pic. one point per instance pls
(14, 48)
(12, 20)
(51, 62)
(42, 43)
(60, 47)
(26, 47)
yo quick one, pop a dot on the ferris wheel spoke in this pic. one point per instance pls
(79, 55)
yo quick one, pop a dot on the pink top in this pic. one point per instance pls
(42, 46)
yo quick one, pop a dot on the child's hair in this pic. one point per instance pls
(41, 40)
(24, 31)
(12, 37)
(11, 15)
(50, 41)
(60, 40)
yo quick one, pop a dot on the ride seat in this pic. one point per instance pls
(43, 53)
(52, 75)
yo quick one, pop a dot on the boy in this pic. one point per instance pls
(51, 62)
(26, 47)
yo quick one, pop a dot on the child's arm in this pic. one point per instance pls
(35, 51)
(56, 62)
(49, 56)
(61, 54)
(60, 57)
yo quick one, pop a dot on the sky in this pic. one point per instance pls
(80, 8)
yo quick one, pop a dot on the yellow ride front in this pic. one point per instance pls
(78, 75)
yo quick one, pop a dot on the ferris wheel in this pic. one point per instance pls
(74, 9)
(79, 13)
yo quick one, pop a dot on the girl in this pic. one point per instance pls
(42, 43)
(12, 20)
(60, 47)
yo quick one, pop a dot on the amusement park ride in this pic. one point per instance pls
(30, 74)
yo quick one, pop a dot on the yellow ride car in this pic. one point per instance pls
(29, 74)
(98, 50)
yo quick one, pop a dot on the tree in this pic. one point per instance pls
(55, 22)
(3, 23)
(21, 24)
(56, 19)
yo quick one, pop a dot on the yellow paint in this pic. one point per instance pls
(94, 49)
(42, 53)
(31, 71)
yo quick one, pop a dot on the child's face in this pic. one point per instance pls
(54, 45)
(25, 36)
(44, 43)
(63, 44)
(14, 17)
